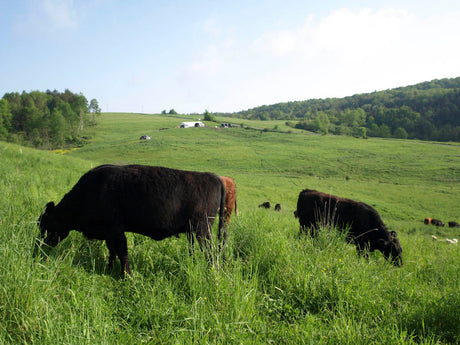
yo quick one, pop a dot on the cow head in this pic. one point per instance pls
(392, 249)
(50, 226)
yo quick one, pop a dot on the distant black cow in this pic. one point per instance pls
(453, 225)
(157, 202)
(277, 207)
(437, 222)
(366, 229)
(265, 204)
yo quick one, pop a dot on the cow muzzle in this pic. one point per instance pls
(52, 239)
(397, 261)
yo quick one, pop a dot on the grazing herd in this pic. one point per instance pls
(159, 202)
(267, 205)
(438, 222)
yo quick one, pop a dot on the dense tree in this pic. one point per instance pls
(94, 109)
(44, 119)
(322, 123)
(209, 117)
(5, 118)
(57, 128)
(400, 133)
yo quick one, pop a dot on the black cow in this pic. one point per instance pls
(366, 229)
(437, 222)
(277, 207)
(265, 204)
(453, 225)
(157, 202)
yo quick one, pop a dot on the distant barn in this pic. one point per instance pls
(191, 124)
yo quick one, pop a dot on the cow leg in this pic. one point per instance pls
(222, 237)
(363, 250)
(112, 256)
(204, 237)
(191, 241)
(118, 247)
(313, 230)
(308, 227)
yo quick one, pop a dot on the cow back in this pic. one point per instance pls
(154, 201)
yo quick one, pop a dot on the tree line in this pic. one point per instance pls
(48, 119)
(427, 111)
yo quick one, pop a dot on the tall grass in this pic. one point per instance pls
(276, 286)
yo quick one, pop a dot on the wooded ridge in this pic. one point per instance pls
(428, 111)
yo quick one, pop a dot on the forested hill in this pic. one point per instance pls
(428, 111)
(48, 119)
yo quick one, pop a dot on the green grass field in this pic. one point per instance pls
(276, 286)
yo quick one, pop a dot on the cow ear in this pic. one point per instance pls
(49, 206)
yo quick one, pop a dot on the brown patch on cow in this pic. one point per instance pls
(230, 196)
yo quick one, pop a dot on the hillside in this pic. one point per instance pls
(427, 111)
(276, 286)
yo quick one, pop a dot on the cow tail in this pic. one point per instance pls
(222, 230)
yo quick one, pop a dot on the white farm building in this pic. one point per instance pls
(191, 124)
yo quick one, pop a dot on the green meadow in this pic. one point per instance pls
(276, 287)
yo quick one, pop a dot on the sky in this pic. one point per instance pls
(223, 56)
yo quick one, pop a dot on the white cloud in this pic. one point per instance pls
(61, 13)
(208, 62)
(343, 53)
(343, 35)
(49, 17)
(354, 51)
(211, 27)
(278, 43)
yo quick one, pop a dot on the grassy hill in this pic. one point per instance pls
(276, 287)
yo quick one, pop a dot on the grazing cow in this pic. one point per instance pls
(277, 207)
(157, 202)
(437, 222)
(366, 229)
(230, 196)
(427, 221)
(453, 225)
(265, 204)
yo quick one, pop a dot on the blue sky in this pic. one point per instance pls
(223, 56)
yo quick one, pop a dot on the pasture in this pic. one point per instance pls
(276, 286)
